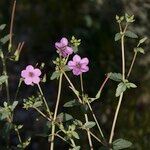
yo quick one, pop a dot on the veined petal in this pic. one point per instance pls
(58, 45)
(76, 58)
(84, 68)
(76, 71)
(69, 50)
(64, 41)
(37, 72)
(29, 68)
(28, 81)
(24, 73)
(84, 61)
(36, 80)
(71, 64)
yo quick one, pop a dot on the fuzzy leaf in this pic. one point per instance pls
(121, 144)
(75, 134)
(120, 88)
(5, 39)
(143, 40)
(89, 124)
(139, 49)
(55, 75)
(63, 117)
(3, 78)
(2, 26)
(130, 34)
(115, 76)
(71, 103)
(117, 36)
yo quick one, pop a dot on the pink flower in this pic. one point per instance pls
(31, 75)
(78, 65)
(63, 48)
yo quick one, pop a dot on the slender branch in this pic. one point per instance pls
(73, 143)
(81, 82)
(72, 86)
(45, 102)
(55, 113)
(88, 133)
(121, 96)
(131, 66)
(103, 84)
(18, 134)
(11, 24)
(18, 87)
(99, 128)
(40, 112)
(115, 118)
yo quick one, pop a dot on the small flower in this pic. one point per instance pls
(31, 75)
(78, 65)
(63, 48)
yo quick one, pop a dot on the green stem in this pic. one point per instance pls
(18, 89)
(45, 102)
(88, 133)
(55, 113)
(131, 66)
(40, 112)
(121, 96)
(73, 143)
(99, 128)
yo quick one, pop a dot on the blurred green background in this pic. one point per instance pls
(41, 23)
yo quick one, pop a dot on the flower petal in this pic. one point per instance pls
(71, 64)
(28, 81)
(76, 71)
(84, 68)
(37, 72)
(76, 58)
(58, 45)
(84, 61)
(69, 50)
(64, 41)
(29, 68)
(36, 80)
(24, 73)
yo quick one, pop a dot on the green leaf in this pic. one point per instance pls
(55, 75)
(63, 117)
(121, 144)
(139, 49)
(131, 85)
(89, 124)
(130, 34)
(115, 76)
(5, 39)
(120, 88)
(75, 148)
(71, 103)
(2, 26)
(37, 104)
(75, 134)
(3, 78)
(142, 40)
(117, 36)
(15, 103)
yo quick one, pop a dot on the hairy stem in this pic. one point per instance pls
(121, 96)
(55, 113)
(45, 102)
(131, 66)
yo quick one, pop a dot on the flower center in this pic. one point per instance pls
(31, 74)
(78, 65)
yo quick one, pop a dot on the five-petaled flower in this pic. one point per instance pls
(31, 75)
(62, 47)
(78, 65)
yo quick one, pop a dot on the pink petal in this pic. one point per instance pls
(84, 61)
(71, 64)
(29, 68)
(37, 72)
(64, 41)
(28, 81)
(58, 45)
(24, 73)
(76, 71)
(84, 68)
(69, 50)
(76, 58)
(36, 80)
